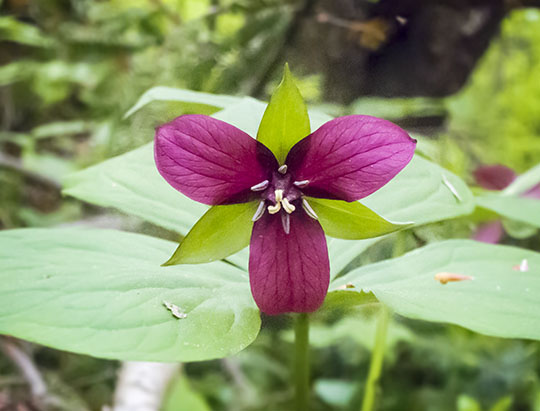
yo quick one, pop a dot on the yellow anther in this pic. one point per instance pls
(279, 195)
(288, 207)
(273, 209)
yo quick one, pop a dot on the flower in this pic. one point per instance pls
(278, 191)
(497, 177)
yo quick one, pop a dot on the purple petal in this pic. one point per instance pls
(288, 272)
(211, 161)
(533, 192)
(489, 233)
(494, 177)
(350, 157)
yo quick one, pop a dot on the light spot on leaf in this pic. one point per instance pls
(444, 277)
(175, 310)
(451, 187)
(522, 267)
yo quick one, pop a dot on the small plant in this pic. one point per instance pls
(293, 197)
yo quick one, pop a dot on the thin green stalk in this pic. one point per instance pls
(301, 362)
(377, 357)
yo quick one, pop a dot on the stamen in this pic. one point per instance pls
(279, 195)
(259, 213)
(301, 184)
(288, 207)
(309, 211)
(261, 186)
(283, 169)
(286, 223)
(273, 209)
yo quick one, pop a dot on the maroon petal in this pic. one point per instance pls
(288, 272)
(211, 161)
(350, 157)
(489, 233)
(494, 177)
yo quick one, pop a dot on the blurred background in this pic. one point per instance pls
(464, 75)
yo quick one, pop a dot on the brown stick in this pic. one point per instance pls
(27, 368)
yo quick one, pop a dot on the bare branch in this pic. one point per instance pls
(27, 368)
(142, 385)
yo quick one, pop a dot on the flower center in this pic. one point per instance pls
(280, 201)
(282, 194)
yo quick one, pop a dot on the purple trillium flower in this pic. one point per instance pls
(347, 158)
(497, 177)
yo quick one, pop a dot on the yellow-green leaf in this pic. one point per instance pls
(221, 231)
(285, 121)
(351, 221)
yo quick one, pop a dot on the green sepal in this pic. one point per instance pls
(351, 221)
(223, 230)
(285, 121)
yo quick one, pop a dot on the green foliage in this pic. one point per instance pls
(499, 108)
(182, 397)
(524, 182)
(285, 121)
(71, 70)
(494, 298)
(184, 96)
(125, 182)
(13, 30)
(422, 193)
(525, 210)
(220, 232)
(397, 108)
(351, 221)
(103, 293)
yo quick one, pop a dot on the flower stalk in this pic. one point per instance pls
(301, 362)
(377, 357)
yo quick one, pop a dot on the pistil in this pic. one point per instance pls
(279, 202)
(273, 209)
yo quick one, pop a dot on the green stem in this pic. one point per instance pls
(301, 362)
(377, 357)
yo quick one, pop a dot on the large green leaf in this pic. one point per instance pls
(221, 231)
(422, 193)
(501, 300)
(161, 93)
(132, 184)
(285, 121)
(351, 221)
(525, 210)
(102, 293)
